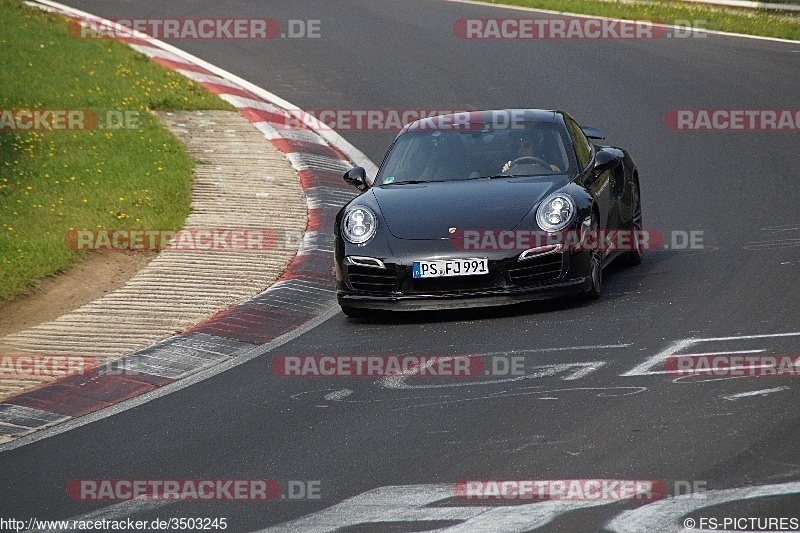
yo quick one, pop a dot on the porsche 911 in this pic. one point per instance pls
(486, 208)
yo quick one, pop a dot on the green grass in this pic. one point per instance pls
(55, 181)
(746, 21)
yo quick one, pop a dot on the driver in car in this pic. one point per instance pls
(529, 151)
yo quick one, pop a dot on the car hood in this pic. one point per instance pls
(429, 210)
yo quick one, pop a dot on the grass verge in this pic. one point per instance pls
(130, 174)
(745, 21)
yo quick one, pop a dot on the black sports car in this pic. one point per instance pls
(486, 208)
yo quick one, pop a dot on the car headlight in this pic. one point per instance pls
(358, 224)
(556, 212)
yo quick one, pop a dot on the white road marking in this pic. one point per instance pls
(418, 503)
(750, 337)
(786, 227)
(771, 245)
(560, 349)
(579, 370)
(335, 396)
(688, 379)
(112, 512)
(604, 392)
(340, 395)
(645, 368)
(762, 392)
(727, 352)
(413, 503)
(664, 515)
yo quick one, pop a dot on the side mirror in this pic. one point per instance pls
(593, 133)
(357, 177)
(605, 159)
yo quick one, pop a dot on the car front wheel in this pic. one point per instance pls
(634, 257)
(595, 267)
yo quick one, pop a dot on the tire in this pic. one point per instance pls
(634, 257)
(596, 268)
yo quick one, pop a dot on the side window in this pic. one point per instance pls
(583, 150)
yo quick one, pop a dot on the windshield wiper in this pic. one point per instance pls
(492, 177)
(411, 182)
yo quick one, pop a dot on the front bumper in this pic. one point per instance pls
(463, 300)
(510, 281)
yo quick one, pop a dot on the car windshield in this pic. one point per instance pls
(531, 149)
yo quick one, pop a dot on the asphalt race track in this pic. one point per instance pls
(595, 403)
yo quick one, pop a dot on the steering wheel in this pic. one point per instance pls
(528, 159)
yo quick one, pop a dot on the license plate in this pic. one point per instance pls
(449, 267)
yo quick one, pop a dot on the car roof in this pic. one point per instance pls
(489, 116)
